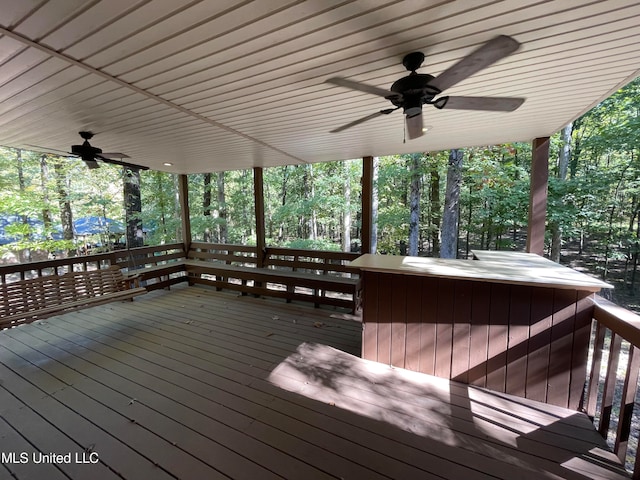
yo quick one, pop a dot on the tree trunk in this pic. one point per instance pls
(611, 219)
(563, 166)
(414, 204)
(374, 207)
(283, 195)
(577, 148)
(450, 220)
(635, 255)
(25, 254)
(206, 197)
(66, 216)
(206, 205)
(177, 209)
(222, 210)
(435, 208)
(161, 203)
(311, 230)
(133, 207)
(44, 179)
(346, 214)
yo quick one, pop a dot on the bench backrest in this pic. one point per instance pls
(320, 262)
(239, 255)
(51, 290)
(139, 258)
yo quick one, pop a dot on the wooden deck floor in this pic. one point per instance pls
(195, 384)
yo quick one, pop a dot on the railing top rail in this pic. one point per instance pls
(618, 319)
(111, 257)
(223, 246)
(332, 254)
(59, 262)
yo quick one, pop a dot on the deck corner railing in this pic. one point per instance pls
(611, 390)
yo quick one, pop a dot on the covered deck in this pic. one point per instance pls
(193, 383)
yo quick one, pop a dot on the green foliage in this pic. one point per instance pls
(306, 206)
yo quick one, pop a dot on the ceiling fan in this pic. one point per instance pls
(89, 154)
(417, 89)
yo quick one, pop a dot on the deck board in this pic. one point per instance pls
(193, 383)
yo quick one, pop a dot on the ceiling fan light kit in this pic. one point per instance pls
(417, 89)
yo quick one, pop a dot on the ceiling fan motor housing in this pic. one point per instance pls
(86, 151)
(415, 92)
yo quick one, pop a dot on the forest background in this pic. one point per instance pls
(428, 204)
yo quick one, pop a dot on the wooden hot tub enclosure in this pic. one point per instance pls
(512, 322)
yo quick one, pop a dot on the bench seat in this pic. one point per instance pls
(319, 284)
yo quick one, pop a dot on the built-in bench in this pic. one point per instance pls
(154, 267)
(24, 301)
(321, 277)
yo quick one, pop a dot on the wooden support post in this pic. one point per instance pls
(538, 195)
(367, 202)
(258, 192)
(183, 195)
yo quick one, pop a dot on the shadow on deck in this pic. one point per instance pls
(199, 384)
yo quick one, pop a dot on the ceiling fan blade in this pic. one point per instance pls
(414, 126)
(489, 53)
(51, 151)
(496, 104)
(114, 155)
(362, 87)
(92, 164)
(122, 164)
(363, 119)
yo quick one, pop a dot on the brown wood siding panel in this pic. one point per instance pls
(509, 338)
(479, 334)
(564, 311)
(498, 337)
(399, 323)
(385, 317)
(429, 320)
(539, 340)
(413, 314)
(444, 327)
(517, 348)
(463, 296)
(370, 316)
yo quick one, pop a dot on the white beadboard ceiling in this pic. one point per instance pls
(213, 85)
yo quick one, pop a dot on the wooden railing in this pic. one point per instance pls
(321, 276)
(165, 265)
(612, 387)
(142, 260)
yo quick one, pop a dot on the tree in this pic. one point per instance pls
(435, 206)
(414, 203)
(563, 165)
(133, 207)
(346, 215)
(222, 209)
(206, 204)
(64, 201)
(374, 206)
(449, 236)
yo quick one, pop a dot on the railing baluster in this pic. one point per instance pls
(610, 384)
(636, 471)
(594, 376)
(628, 398)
